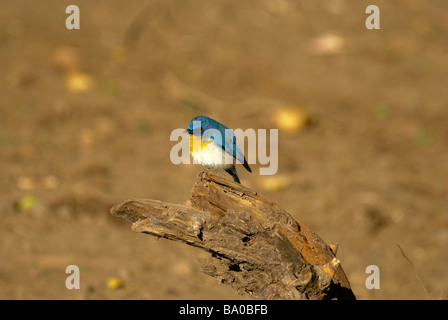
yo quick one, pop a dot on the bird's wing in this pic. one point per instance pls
(226, 140)
(231, 148)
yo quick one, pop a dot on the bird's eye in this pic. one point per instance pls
(212, 137)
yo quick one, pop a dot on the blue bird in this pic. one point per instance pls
(213, 145)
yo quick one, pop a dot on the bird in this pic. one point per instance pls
(213, 145)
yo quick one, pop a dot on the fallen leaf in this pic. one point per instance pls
(66, 59)
(114, 283)
(78, 81)
(25, 183)
(291, 119)
(328, 44)
(276, 183)
(26, 202)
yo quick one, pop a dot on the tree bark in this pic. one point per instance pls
(256, 246)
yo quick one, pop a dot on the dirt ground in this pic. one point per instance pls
(86, 117)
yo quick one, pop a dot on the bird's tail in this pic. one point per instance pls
(233, 173)
(246, 165)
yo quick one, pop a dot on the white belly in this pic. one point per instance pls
(212, 156)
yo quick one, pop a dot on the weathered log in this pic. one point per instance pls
(256, 246)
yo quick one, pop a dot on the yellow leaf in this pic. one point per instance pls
(79, 82)
(26, 202)
(114, 283)
(291, 119)
(276, 183)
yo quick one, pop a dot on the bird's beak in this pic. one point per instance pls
(189, 131)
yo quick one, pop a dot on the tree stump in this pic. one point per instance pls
(256, 246)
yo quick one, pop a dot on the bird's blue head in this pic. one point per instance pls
(209, 129)
(199, 124)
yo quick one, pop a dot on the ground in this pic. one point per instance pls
(86, 117)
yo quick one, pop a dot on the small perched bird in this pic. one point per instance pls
(213, 145)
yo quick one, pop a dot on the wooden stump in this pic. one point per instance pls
(256, 246)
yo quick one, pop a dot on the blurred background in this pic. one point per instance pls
(86, 116)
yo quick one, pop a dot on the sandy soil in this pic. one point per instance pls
(86, 116)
